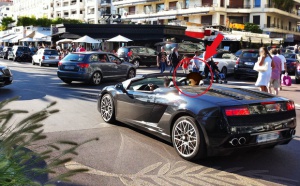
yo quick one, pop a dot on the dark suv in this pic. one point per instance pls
(140, 55)
(4, 52)
(6, 77)
(17, 52)
(245, 63)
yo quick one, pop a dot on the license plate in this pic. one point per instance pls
(51, 57)
(69, 67)
(267, 137)
(249, 63)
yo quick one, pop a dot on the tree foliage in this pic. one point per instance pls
(18, 164)
(251, 27)
(5, 22)
(43, 22)
(285, 5)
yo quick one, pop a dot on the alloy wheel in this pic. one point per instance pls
(136, 63)
(106, 108)
(97, 78)
(131, 74)
(185, 138)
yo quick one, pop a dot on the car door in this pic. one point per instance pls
(143, 54)
(108, 69)
(135, 106)
(119, 68)
(231, 63)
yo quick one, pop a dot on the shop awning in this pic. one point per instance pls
(228, 37)
(7, 38)
(16, 39)
(41, 35)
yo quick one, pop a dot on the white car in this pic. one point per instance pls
(46, 56)
(224, 60)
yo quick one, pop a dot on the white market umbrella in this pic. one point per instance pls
(64, 41)
(120, 39)
(86, 39)
(28, 39)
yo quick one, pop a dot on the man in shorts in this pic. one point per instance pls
(276, 72)
(283, 65)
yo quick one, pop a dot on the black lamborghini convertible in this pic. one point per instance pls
(220, 122)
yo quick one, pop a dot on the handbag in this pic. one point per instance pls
(286, 80)
(259, 68)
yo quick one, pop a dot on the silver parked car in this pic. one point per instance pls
(93, 67)
(45, 56)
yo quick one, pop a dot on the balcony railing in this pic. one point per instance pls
(233, 6)
(280, 27)
(289, 11)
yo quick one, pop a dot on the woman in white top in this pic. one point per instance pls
(264, 76)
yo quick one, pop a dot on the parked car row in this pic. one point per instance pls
(6, 76)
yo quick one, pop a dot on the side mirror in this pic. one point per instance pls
(121, 87)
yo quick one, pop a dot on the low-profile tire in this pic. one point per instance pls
(17, 59)
(67, 81)
(136, 63)
(188, 139)
(130, 74)
(96, 78)
(107, 109)
(236, 76)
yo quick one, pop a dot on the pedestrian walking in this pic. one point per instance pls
(185, 62)
(276, 72)
(196, 62)
(265, 65)
(174, 59)
(283, 65)
(161, 60)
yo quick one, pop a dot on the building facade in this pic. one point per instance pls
(272, 19)
(30, 8)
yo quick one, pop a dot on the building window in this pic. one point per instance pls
(7, 8)
(147, 9)
(131, 10)
(206, 20)
(207, 2)
(256, 20)
(257, 3)
(160, 7)
(172, 5)
(186, 3)
(186, 19)
(222, 20)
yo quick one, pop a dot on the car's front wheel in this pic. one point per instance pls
(107, 108)
(130, 74)
(224, 71)
(188, 139)
(96, 78)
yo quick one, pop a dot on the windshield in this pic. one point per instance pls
(184, 47)
(238, 53)
(50, 52)
(289, 55)
(249, 55)
(75, 57)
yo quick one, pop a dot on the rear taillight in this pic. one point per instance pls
(237, 61)
(237, 111)
(59, 63)
(83, 65)
(290, 106)
(43, 57)
(294, 63)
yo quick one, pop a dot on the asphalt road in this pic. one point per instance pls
(126, 156)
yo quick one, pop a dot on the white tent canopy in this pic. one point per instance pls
(28, 39)
(7, 38)
(86, 39)
(119, 38)
(64, 41)
(16, 39)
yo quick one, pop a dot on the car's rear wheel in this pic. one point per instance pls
(66, 81)
(96, 78)
(224, 71)
(188, 139)
(130, 74)
(136, 63)
(107, 108)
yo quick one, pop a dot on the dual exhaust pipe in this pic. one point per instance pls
(238, 141)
